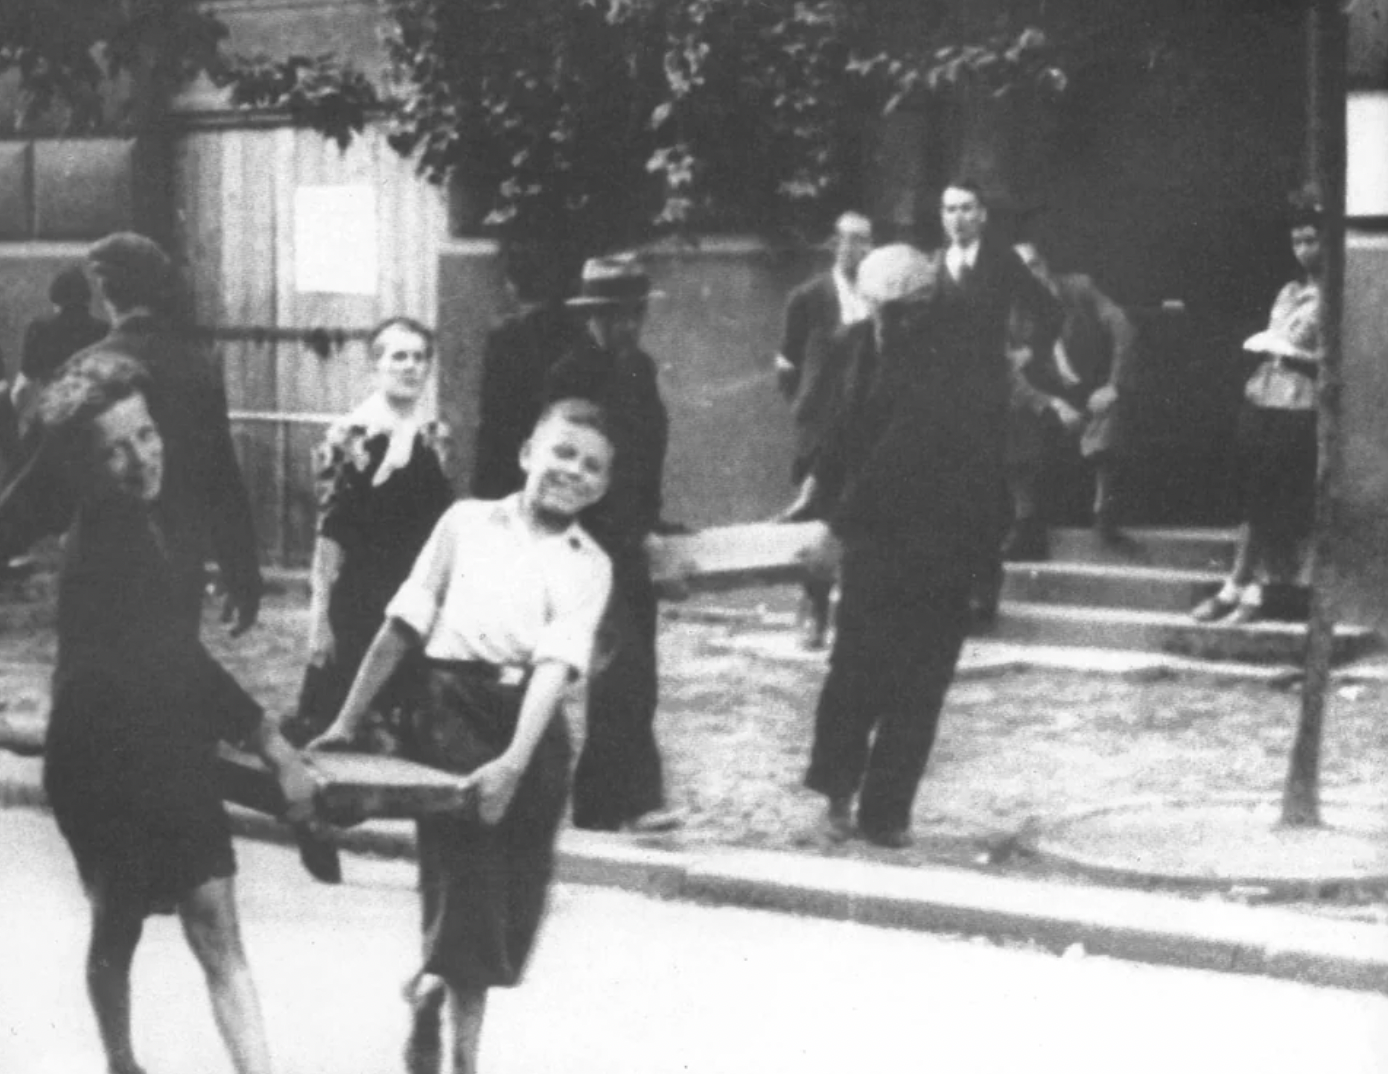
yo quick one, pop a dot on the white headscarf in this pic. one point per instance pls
(378, 417)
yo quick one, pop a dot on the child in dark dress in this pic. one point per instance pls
(503, 604)
(138, 707)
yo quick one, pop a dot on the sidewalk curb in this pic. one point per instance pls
(1064, 919)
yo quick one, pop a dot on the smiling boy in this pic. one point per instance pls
(504, 603)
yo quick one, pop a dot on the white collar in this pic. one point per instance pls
(508, 513)
(963, 255)
(853, 307)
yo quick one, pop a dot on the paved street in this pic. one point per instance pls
(624, 983)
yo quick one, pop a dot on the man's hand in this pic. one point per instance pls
(1070, 418)
(241, 610)
(338, 737)
(1101, 402)
(496, 784)
(299, 790)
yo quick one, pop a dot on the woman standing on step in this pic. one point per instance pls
(1276, 439)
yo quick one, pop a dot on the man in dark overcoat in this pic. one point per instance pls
(911, 477)
(188, 403)
(618, 782)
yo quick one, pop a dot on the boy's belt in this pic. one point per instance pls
(502, 674)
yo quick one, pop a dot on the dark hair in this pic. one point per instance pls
(1304, 209)
(577, 411)
(70, 289)
(969, 184)
(88, 386)
(133, 270)
(409, 324)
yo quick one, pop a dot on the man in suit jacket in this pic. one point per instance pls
(809, 370)
(982, 282)
(1079, 377)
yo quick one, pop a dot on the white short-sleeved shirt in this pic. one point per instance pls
(487, 587)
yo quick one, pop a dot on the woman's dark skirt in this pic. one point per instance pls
(130, 772)
(484, 887)
(1277, 468)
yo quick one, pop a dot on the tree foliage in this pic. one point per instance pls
(607, 119)
(620, 117)
(68, 54)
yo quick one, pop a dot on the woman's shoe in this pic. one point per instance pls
(1244, 613)
(1213, 610)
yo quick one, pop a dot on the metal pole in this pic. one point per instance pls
(1301, 794)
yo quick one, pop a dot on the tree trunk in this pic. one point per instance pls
(1301, 794)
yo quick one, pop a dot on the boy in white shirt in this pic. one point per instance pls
(504, 603)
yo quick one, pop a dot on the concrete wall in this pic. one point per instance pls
(713, 336)
(1362, 504)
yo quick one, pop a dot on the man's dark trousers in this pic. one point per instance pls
(900, 632)
(618, 777)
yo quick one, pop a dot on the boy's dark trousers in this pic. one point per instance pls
(618, 777)
(900, 631)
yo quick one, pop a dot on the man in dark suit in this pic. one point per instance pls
(1079, 377)
(202, 478)
(618, 782)
(983, 283)
(809, 371)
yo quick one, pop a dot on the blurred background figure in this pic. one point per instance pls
(809, 370)
(53, 338)
(516, 358)
(1078, 376)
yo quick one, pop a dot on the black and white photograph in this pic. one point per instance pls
(693, 536)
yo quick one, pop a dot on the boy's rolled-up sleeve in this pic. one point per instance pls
(578, 607)
(417, 602)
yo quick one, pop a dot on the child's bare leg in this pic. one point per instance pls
(214, 933)
(467, 1007)
(115, 934)
(423, 1049)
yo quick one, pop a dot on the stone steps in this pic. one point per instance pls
(1105, 585)
(1169, 632)
(1195, 549)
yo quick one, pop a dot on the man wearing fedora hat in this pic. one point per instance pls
(618, 782)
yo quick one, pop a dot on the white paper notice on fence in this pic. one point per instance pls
(335, 240)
